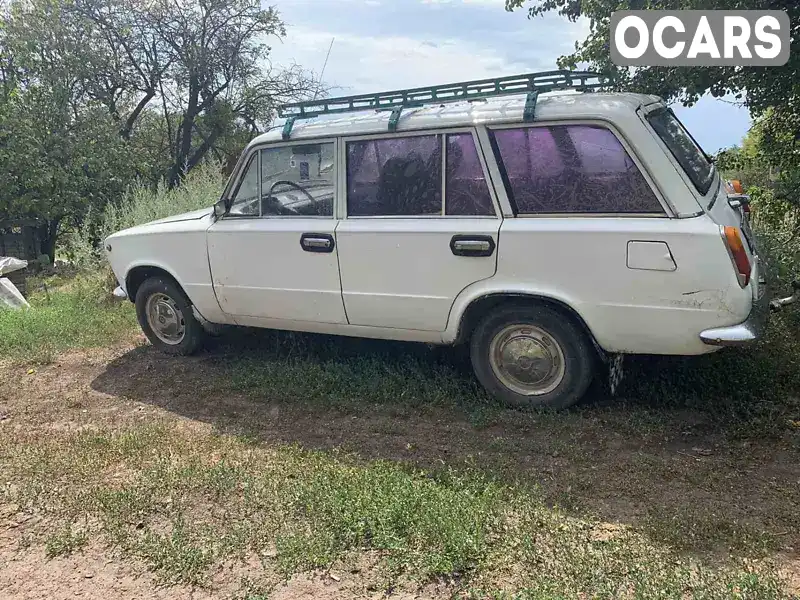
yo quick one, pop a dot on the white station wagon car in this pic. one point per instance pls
(552, 233)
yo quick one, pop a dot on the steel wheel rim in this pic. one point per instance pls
(527, 360)
(165, 319)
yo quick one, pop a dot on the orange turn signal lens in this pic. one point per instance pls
(733, 240)
(737, 186)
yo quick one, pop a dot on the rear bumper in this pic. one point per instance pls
(744, 333)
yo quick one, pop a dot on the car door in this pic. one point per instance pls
(421, 224)
(274, 255)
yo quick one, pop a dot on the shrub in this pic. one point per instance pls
(777, 224)
(142, 204)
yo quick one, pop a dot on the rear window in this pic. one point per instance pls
(684, 148)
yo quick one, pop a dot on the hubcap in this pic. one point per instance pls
(527, 360)
(165, 319)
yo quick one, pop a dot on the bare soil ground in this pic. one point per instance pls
(670, 474)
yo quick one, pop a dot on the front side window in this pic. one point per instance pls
(686, 151)
(295, 181)
(298, 180)
(571, 169)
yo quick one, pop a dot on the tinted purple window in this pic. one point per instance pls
(397, 176)
(466, 190)
(571, 169)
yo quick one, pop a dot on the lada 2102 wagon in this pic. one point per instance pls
(545, 231)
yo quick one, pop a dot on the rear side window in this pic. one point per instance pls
(395, 176)
(684, 148)
(466, 191)
(406, 176)
(571, 169)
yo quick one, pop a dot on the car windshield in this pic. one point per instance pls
(684, 148)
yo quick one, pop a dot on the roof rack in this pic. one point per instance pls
(532, 83)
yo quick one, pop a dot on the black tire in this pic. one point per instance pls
(576, 348)
(193, 331)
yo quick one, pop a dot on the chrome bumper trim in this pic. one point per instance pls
(119, 293)
(745, 333)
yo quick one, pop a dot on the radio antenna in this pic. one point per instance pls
(325, 64)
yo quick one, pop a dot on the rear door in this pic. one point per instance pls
(420, 224)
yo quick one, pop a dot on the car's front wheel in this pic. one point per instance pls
(165, 316)
(532, 356)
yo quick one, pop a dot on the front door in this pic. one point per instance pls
(420, 227)
(274, 255)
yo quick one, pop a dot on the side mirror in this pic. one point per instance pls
(219, 209)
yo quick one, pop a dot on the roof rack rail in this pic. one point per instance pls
(531, 83)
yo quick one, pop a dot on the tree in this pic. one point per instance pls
(97, 93)
(764, 87)
(204, 64)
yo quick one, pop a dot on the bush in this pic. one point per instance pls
(777, 224)
(142, 203)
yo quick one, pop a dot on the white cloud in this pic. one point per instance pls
(361, 64)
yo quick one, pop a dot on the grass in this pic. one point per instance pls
(182, 501)
(77, 314)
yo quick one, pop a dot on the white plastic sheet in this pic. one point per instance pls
(9, 264)
(10, 296)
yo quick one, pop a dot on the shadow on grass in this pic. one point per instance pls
(697, 452)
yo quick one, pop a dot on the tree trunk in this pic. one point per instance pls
(183, 145)
(47, 233)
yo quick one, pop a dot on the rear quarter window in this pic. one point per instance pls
(684, 148)
(571, 169)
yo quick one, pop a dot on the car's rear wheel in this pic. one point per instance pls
(532, 356)
(165, 316)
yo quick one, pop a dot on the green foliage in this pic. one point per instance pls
(141, 204)
(64, 541)
(58, 165)
(98, 94)
(79, 312)
(776, 86)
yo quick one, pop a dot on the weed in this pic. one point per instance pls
(64, 541)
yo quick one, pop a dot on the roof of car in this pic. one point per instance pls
(509, 109)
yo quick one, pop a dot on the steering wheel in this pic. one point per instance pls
(280, 208)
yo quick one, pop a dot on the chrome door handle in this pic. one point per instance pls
(317, 242)
(472, 245)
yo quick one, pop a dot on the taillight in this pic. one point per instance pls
(733, 241)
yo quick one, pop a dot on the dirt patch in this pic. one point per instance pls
(91, 574)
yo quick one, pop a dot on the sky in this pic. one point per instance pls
(381, 45)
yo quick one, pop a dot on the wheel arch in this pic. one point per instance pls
(138, 274)
(481, 305)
